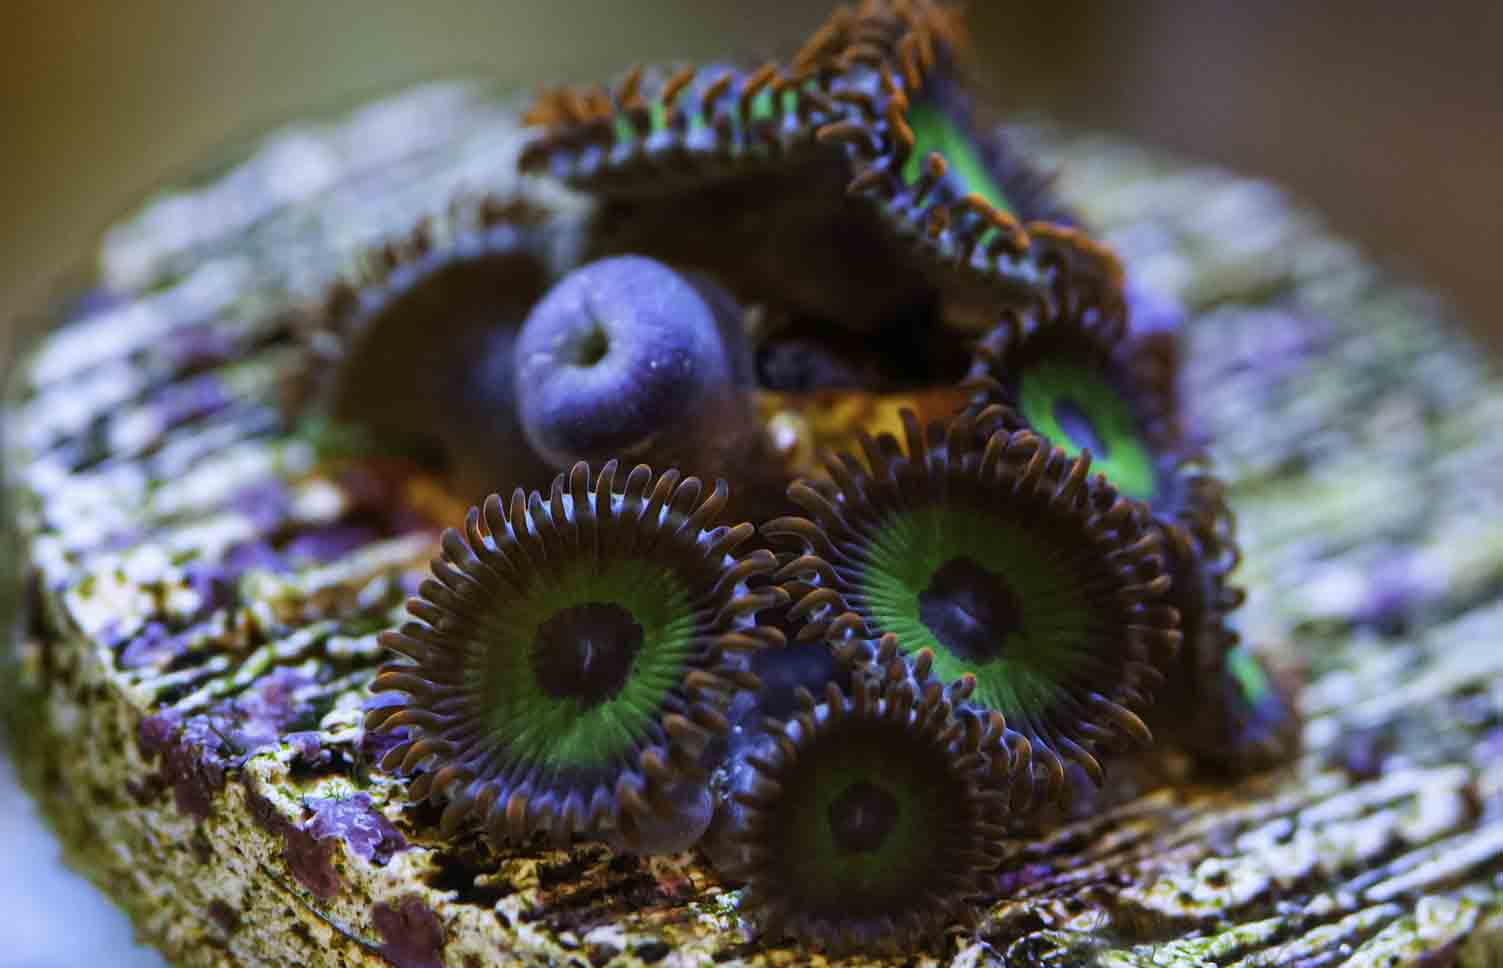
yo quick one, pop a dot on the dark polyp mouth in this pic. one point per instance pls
(1077, 425)
(970, 610)
(862, 816)
(585, 652)
(592, 346)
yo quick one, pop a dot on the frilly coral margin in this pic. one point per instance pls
(885, 63)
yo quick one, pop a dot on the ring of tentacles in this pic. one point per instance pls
(1010, 563)
(570, 657)
(864, 793)
(921, 621)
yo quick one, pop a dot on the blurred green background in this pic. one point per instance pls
(1386, 116)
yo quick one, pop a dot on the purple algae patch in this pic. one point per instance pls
(200, 347)
(266, 504)
(1014, 881)
(1363, 752)
(196, 751)
(154, 645)
(1490, 750)
(354, 820)
(263, 713)
(308, 748)
(1396, 591)
(121, 540)
(192, 761)
(411, 935)
(193, 399)
(1153, 312)
(308, 849)
(251, 555)
(215, 581)
(327, 543)
(310, 860)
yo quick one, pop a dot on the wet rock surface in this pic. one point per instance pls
(209, 582)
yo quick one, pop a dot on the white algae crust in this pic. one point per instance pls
(202, 594)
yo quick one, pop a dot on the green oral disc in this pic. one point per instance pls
(563, 732)
(1076, 409)
(1037, 647)
(883, 866)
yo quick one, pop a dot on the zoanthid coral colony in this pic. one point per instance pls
(843, 678)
